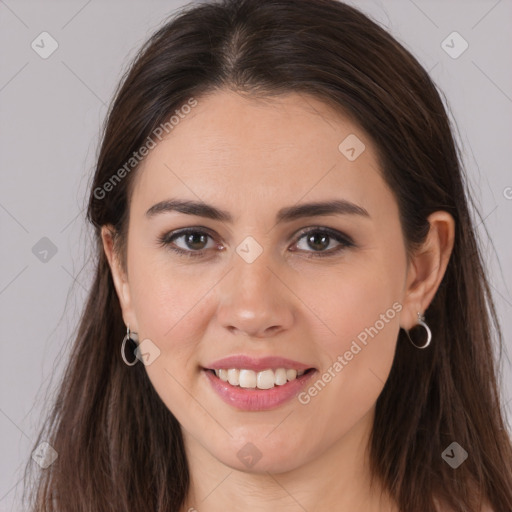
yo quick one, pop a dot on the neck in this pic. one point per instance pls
(336, 479)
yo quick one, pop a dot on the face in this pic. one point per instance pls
(320, 292)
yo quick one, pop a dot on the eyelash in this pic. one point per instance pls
(167, 238)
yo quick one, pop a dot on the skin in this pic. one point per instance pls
(252, 157)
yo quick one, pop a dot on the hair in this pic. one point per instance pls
(119, 447)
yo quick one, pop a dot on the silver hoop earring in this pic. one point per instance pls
(132, 337)
(421, 321)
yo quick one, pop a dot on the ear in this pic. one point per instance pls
(119, 277)
(427, 267)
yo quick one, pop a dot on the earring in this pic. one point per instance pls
(421, 321)
(133, 338)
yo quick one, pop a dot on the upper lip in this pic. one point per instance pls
(256, 363)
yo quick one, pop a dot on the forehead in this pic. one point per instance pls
(242, 149)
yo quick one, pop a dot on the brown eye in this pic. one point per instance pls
(194, 242)
(319, 239)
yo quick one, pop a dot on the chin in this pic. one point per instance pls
(275, 465)
(259, 456)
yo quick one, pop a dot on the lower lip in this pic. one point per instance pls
(254, 399)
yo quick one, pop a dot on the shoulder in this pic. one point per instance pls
(441, 506)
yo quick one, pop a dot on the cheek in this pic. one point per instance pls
(164, 291)
(169, 304)
(361, 305)
(359, 300)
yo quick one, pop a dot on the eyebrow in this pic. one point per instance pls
(287, 214)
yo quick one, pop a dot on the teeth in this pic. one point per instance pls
(247, 378)
(280, 376)
(291, 374)
(234, 377)
(265, 379)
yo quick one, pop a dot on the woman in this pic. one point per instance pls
(290, 310)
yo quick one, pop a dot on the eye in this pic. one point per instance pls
(193, 238)
(195, 241)
(319, 238)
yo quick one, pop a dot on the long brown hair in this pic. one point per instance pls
(119, 447)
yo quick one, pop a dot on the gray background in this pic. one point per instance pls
(51, 113)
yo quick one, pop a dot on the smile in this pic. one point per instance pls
(253, 397)
(266, 379)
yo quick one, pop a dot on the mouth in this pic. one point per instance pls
(254, 383)
(267, 384)
(258, 380)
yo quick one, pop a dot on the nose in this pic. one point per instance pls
(255, 300)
